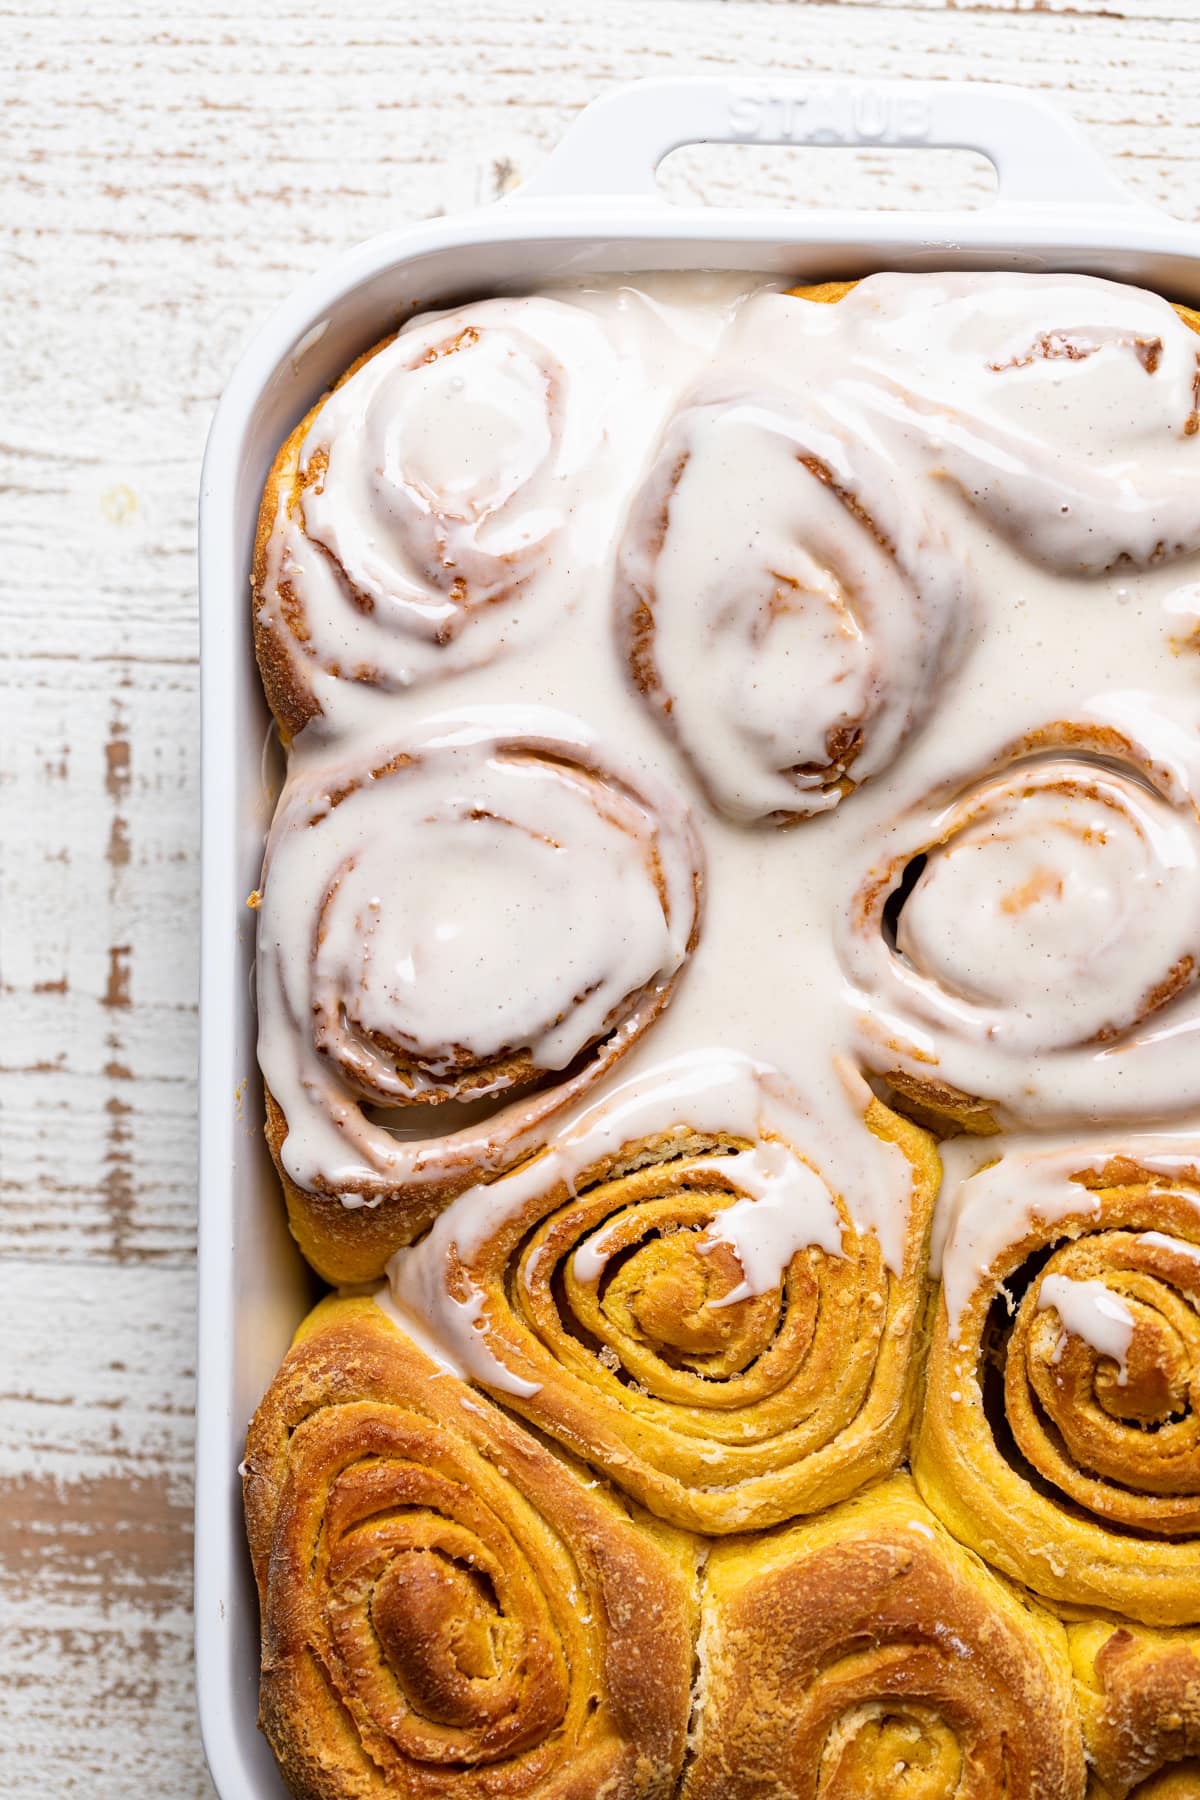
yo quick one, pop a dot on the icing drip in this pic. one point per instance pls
(458, 920)
(1158, 1240)
(1037, 1192)
(784, 1204)
(1090, 1311)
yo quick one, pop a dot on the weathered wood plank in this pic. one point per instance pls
(95, 1549)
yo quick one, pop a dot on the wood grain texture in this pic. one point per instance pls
(171, 170)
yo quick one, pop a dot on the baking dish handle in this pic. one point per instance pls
(611, 150)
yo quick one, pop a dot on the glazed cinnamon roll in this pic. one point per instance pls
(995, 382)
(864, 1655)
(411, 524)
(1061, 1432)
(1026, 946)
(1139, 1698)
(455, 939)
(447, 1608)
(783, 603)
(680, 1294)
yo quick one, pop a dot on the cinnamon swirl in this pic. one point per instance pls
(864, 1655)
(1026, 947)
(784, 603)
(1139, 1698)
(679, 1294)
(448, 1609)
(992, 383)
(410, 523)
(1060, 1436)
(473, 928)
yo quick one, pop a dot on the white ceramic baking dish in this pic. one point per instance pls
(593, 207)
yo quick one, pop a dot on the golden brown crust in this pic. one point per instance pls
(447, 1608)
(939, 1107)
(1035, 1451)
(350, 1246)
(717, 1415)
(825, 293)
(1139, 1699)
(841, 1655)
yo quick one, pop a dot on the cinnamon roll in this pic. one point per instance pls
(1060, 1436)
(864, 1655)
(1139, 1698)
(783, 602)
(679, 1293)
(1026, 946)
(455, 939)
(993, 382)
(411, 525)
(447, 1608)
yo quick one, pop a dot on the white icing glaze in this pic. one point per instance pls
(1092, 1312)
(491, 887)
(785, 602)
(457, 489)
(786, 1208)
(900, 379)
(980, 1218)
(452, 459)
(417, 1328)
(1052, 933)
(1158, 1240)
(784, 1205)
(1062, 407)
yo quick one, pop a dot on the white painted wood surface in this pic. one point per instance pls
(171, 168)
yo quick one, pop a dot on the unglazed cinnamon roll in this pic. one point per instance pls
(1138, 1693)
(455, 939)
(1060, 1436)
(994, 383)
(679, 1294)
(1026, 946)
(410, 523)
(864, 1655)
(783, 602)
(447, 1608)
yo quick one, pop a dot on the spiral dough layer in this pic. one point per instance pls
(865, 1656)
(694, 1311)
(1061, 1429)
(482, 917)
(447, 1610)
